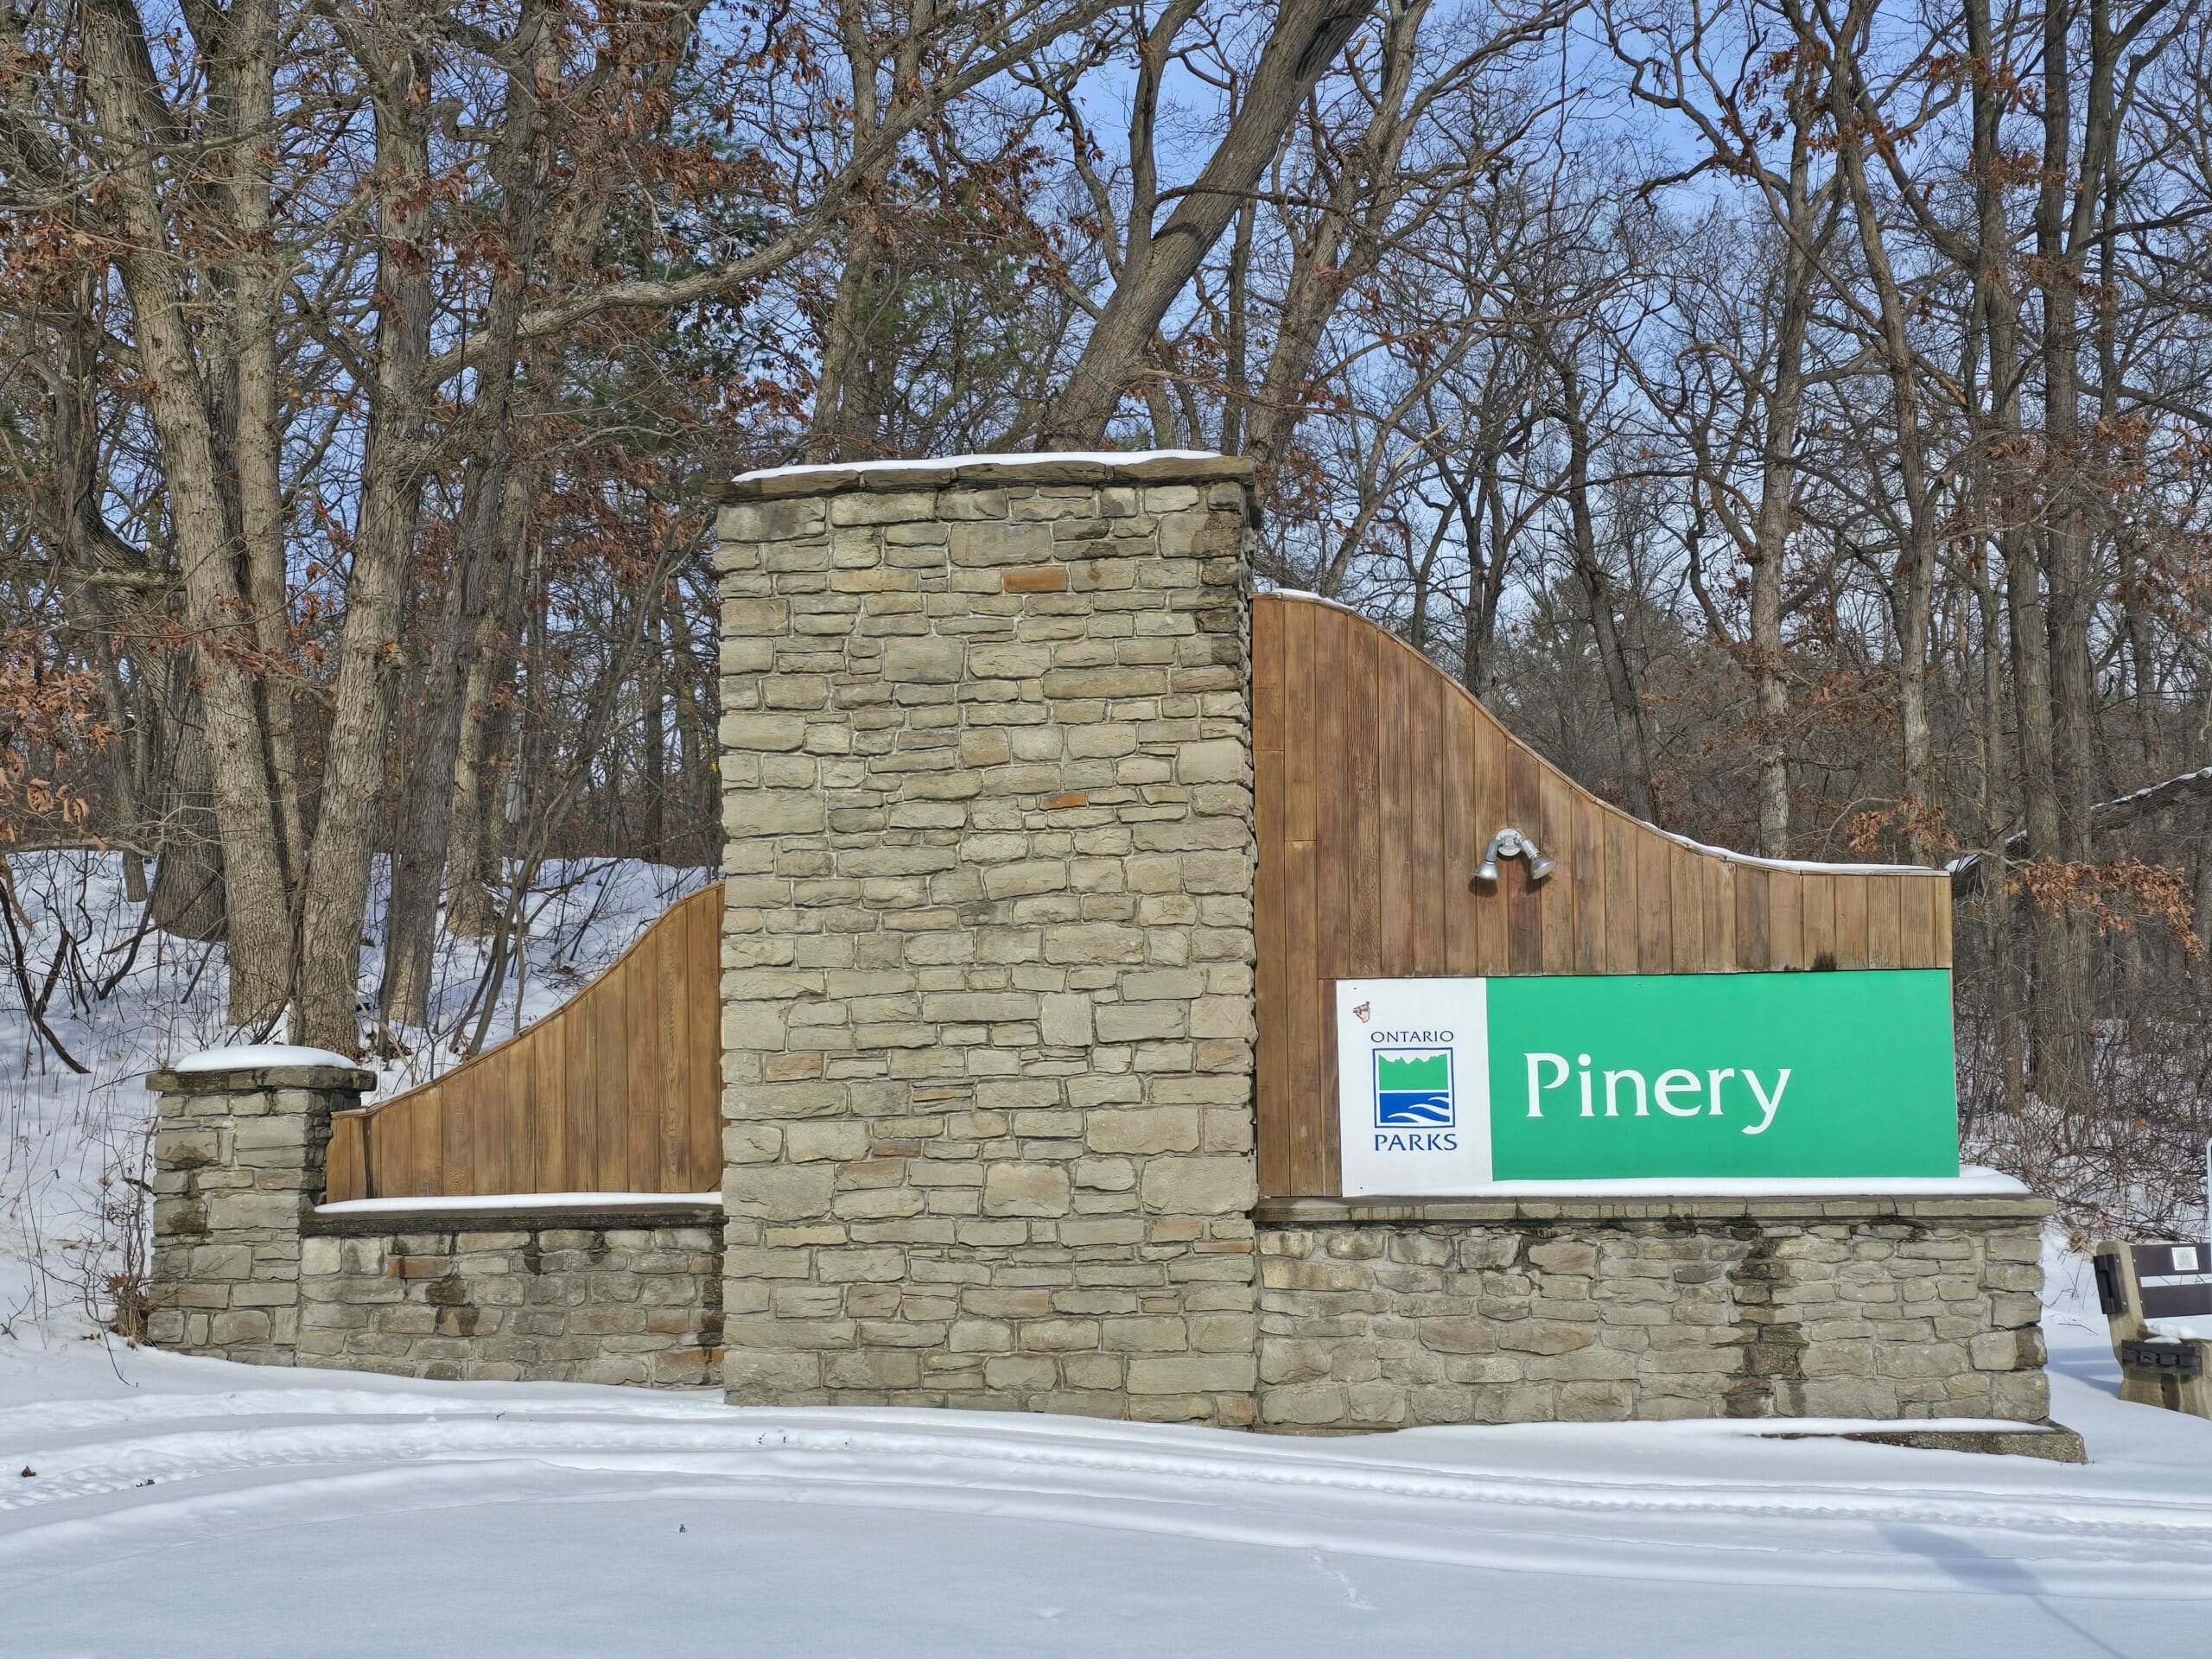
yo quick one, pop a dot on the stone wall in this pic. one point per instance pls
(987, 958)
(248, 1266)
(237, 1167)
(625, 1297)
(1376, 1315)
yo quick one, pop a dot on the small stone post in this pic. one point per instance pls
(238, 1144)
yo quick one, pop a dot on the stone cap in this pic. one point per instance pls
(1086, 468)
(343, 1221)
(1873, 1207)
(252, 1075)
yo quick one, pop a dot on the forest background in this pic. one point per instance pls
(1794, 416)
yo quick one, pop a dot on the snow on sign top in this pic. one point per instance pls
(1037, 458)
(254, 1057)
(467, 1201)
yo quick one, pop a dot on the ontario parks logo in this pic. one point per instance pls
(1413, 1089)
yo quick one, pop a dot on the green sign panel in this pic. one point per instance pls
(1447, 1085)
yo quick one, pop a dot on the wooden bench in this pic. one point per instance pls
(2138, 1283)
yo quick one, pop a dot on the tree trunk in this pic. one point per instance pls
(1777, 499)
(336, 898)
(470, 841)
(1913, 589)
(1344, 245)
(187, 899)
(251, 28)
(130, 112)
(429, 787)
(1620, 685)
(2065, 1015)
(1307, 36)
(653, 696)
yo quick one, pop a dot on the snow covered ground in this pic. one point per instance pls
(172, 1506)
(157, 1505)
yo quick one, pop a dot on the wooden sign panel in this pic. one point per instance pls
(1380, 782)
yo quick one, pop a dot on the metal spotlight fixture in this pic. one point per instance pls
(1511, 844)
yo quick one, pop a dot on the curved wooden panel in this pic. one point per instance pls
(1379, 780)
(619, 1090)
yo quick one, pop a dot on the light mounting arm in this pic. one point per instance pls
(1510, 843)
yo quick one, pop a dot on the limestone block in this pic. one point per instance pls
(1198, 1184)
(1132, 1022)
(773, 733)
(1215, 760)
(923, 661)
(1564, 1256)
(1193, 1374)
(1023, 1189)
(890, 507)
(777, 1192)
(1305, 1404)
(1144, 1131)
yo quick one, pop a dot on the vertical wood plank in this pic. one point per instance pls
(1817, 896)
(1785, 920)
(1524, 905)
(543, 1126)
(455, 1141)
(639, 1028)
(1301, 739)
(1340, 689)
(1851, 920)
(1494, 952)
(1754, 936)
(1917, 923)
(1720, 883)
(1271, 1058)
(1429, 731)
(1358, 851)
(344, 1167)
(705, 968)
(1655, 934)
(1555, 897)
(1884, 914)
(1331, 786)
(1306, 1089)
(1622, 890)
(1686, 888)
(664, 1012)
(1392, 817)
(1352, 943)
(1328, 1153)
(1583, 873)
(425, 1139)
(1463, 842)
(608, 1112)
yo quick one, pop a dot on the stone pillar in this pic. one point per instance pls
(987, 950)
(238, 1168)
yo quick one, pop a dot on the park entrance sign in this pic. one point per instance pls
(1449, 1086)
(1734, 1019)
(1133, 996)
